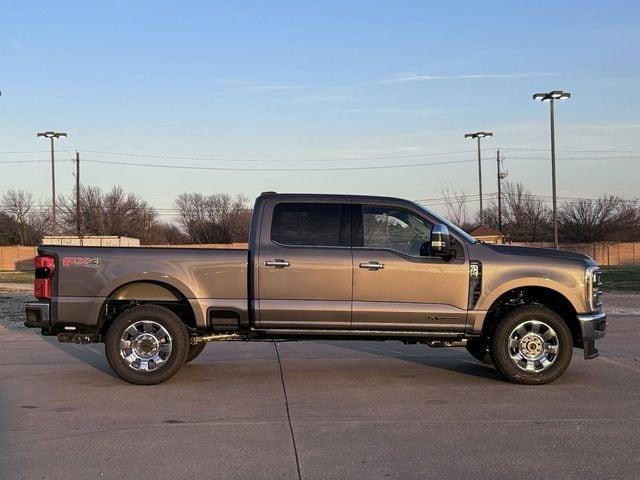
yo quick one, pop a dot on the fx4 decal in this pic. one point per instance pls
(81, 262)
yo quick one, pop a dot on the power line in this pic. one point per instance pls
(221, 159)
(247, 169)
(32, 151)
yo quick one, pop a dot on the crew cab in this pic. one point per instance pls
(325, 267)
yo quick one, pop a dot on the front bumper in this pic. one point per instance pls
(593, 326)
(37, 315)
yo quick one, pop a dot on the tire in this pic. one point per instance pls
(531, 345)
(194, 351)
(478, 348)
(155, 344)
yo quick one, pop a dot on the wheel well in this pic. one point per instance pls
(533, 296)
(145, 293)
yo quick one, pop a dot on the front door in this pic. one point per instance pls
(304, 274)
(396, 285)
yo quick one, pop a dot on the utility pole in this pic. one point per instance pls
(501, 175)
(78, 222)
(551, 97)
(52, 136)
(478, 136)
(499, 193)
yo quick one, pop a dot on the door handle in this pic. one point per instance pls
(372, 265)
(278, 263)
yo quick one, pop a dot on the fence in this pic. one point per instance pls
(606, 254)
(17, 258)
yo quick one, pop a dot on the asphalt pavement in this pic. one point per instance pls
(317, 410)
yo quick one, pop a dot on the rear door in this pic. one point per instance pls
(396, 285)
(304, 265)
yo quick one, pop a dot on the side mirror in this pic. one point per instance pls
(440, 242)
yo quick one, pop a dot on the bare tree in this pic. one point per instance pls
(609, 218)
(108, 213)
(165, 233)
(525, 218)
(456, 204)
(217, 218)
(23, 223)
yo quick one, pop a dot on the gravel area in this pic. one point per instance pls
(621, 303)
(13, 296)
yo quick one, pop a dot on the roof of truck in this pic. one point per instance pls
(335, 196)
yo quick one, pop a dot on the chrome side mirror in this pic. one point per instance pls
(440, 241)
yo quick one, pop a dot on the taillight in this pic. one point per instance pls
(42, 285)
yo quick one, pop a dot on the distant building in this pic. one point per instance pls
(91, 241)
(487, 234)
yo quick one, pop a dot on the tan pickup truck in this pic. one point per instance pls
(320, 267)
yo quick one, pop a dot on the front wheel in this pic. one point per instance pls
(532, 345)
(147, 344)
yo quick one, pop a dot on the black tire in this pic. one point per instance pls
(501, 353)
(174, 333)
(478, 348)
(194, 351)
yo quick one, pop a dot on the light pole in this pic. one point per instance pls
(551, 97)
(52, 136)
(478, 136)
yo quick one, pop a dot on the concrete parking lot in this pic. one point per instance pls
(317, 410)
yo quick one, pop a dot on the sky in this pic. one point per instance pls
(263, 91)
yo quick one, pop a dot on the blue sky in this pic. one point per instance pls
(320, 84)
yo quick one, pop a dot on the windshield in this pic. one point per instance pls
(449, 225)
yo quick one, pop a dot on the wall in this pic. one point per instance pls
(605, 254)
(17, 258)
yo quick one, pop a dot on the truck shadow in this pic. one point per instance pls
(91, 354)
(456, 361)
(452, 360)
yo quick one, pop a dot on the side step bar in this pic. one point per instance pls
(359, 333)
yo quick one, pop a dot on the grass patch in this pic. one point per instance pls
(621, 278)
(16, 277)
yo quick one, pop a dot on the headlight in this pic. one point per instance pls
(592, 285)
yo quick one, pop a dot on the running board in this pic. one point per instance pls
(435, 336)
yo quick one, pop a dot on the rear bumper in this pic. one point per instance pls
(37, 315)
(592, 326)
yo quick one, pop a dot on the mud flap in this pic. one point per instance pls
(590, 350)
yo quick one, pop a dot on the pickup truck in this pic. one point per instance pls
(325, 267)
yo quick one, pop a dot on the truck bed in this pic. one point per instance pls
(86, 276)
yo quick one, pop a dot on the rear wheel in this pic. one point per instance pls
(478, 348)
(532, 345)
(147, 344)
(194, 351)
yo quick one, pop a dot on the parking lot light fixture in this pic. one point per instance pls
(478, 136)
(551, 97)
(52, 136)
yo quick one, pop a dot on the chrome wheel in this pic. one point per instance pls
(145, 345)
(533, 346)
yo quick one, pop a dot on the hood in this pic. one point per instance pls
(538, 252)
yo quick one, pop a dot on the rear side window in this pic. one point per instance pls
(311, 224)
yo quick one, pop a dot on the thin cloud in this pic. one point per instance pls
(413, 77)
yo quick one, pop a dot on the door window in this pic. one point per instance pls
(310, 224)
(394, 229)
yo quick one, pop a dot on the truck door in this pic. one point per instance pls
(394, 287)
(304, 274)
